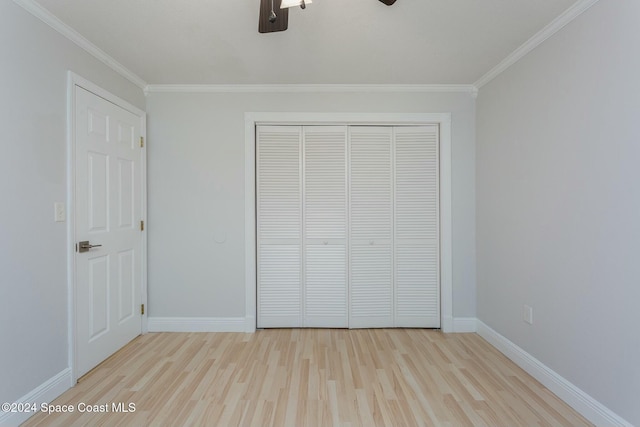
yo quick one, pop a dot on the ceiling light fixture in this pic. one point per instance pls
(269, 22)
(292, 3)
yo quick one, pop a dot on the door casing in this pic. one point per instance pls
(252, 119)
(73, 81)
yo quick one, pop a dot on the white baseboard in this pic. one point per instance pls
(248, 324)
(198, 324)
(465, 324)
(44, 393)
(584, 404)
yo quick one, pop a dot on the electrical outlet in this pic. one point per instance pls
(59, 212)
(527, 314)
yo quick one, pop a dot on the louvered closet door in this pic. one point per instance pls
(325, 227)
(416, 241)
(279, 226)
(371, 231)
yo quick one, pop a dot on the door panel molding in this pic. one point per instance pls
(252, 119)
(75, 81)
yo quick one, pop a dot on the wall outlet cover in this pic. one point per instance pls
(527, 314)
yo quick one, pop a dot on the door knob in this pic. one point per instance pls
(85, 246)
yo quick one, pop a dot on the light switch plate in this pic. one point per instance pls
(60, 213)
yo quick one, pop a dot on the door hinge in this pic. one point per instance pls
(141, 225)
(141, 308)
(141, 141)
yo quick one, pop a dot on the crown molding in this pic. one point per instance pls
(553, 27)
(556, 25)
(48, 18)
(308, 88)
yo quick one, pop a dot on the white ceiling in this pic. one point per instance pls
(330, 42)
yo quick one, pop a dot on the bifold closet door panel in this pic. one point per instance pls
(325, 226)
(416, 240)
(371, 231)
(279, 226)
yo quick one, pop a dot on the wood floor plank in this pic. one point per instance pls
(312, 377)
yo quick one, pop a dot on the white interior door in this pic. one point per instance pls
(371, 248)
(348, 227)
(325, 226)
(279, 226)
(417, 227)
(108, 214)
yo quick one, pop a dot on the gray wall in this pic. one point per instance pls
(196, 189)
(34, 60)
(558, 204)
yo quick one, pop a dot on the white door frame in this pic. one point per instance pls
(299, 119)
(73, 81)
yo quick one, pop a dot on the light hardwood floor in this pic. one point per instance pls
(313, 377)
